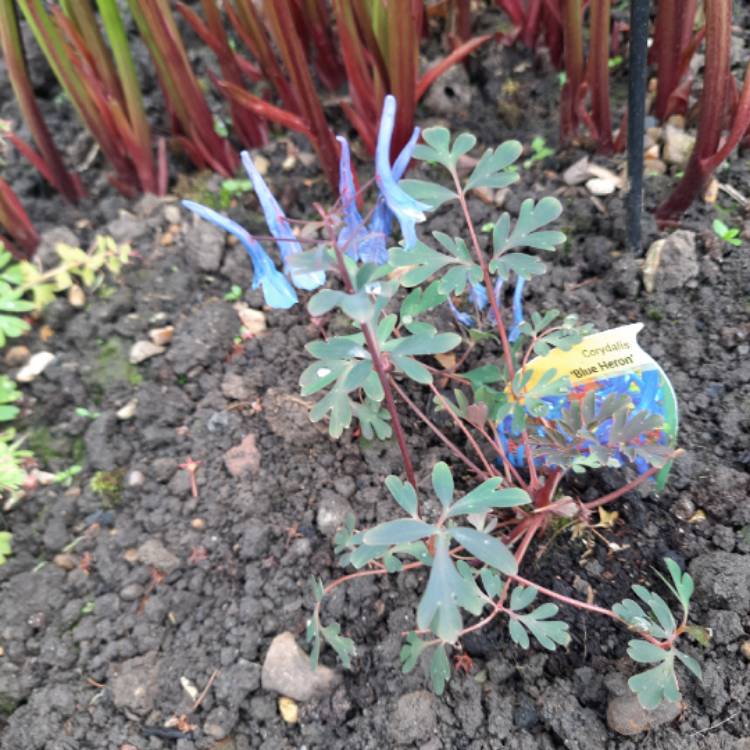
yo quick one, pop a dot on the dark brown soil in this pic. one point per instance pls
(237, 559)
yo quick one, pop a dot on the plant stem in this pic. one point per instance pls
(454, 449)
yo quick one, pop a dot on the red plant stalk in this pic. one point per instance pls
(48, 161)
(673, 32)
(598, 74)
(707, 155)
(16, 223)
(316, 21)
(292, 51)
(573, 55)
(193, 122)
(249, 127)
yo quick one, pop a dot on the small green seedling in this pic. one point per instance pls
(65, 477)
(82, 411)
(234, 294)
(231, 189)
(6, 546)
(539, 151)
(728, 234)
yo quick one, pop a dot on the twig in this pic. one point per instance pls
(205, 690)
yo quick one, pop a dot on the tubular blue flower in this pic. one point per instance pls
(277, 291)
(406, 209)
(515, 332)
(279, 228)
(478, 296)
(463, 318)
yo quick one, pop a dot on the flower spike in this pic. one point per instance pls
(277, 291)
(517, 309)
(407, 210)
(279, 227)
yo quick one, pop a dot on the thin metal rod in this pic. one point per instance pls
(637, 76)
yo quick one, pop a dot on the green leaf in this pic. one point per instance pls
(643, 651)
(324, 301)
(483, 375)
(422, 262)
(462, 145)
(412, 369)
(442, 483)
(431, 193)
(549, 633)
(343, 646)
(317, 587)
(492, 583)
(657, 684)
(486, 548)
(525, 266)
(530, 218)
(403, 493)
(690, 663)
(446, 592)
(488, 495)
(518, 633)
(683, 584)
(440, 670)
(522, 597)
(420, 300)
(422, 345)
(490, 170)
(411, 651)
(399, 531)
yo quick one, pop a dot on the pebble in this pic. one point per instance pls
(35, 367)
(233, 386)
(243, 458)
(131, 592)
(17, 356)
(332, 512)
(253, 321)
(287, 671)
(289, 710)
(134, 683)
(143, 350)
(626, 716)
(65, 561)
(172, 214)
(600, 186)
(198, 524)
(135, 478)
(745, 649)
(671, 262)
(128, 411)
(153, 552)
(161, 336)
(76, 296)
(678, 145)
(683, 508)
(577, 173)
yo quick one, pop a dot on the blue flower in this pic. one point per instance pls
(478, 296)
(515, 332)
(277, 291)
(463, 318)
(279, 228)
(406, 209)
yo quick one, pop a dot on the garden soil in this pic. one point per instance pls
(129, 600)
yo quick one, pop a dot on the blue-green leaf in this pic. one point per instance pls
(398, 532)
(442, 483)
(488, 495)
(486, 548)
(403, 493)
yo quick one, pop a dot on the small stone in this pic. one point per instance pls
(261, 164)
(153, 552)
(172, 214)
(76, 296)
(161, 336)
(234, 387)
(577, 173)
(65, 561)
(198, 524)
(414, 718)
(253, 321)
(626, 716)
(35, 367)
(17, 356)
(745, 649)
(683, 508)
(654, 166)
(332, 512)
(128, 411)
(289, 710)
(135, 478)
(600, 186)
(678, 145)
(243, 458)
(671, 262)
(131, 592)
(287, 671)
(134, 683)
(143, 350)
